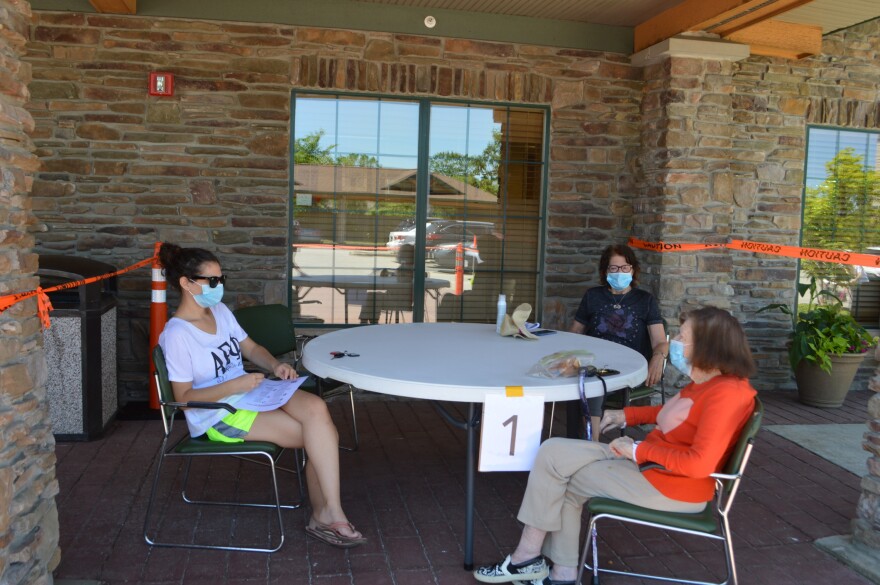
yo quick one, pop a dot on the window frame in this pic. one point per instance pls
(422, 180)
(868, 162)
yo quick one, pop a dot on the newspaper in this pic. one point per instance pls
(270, 394)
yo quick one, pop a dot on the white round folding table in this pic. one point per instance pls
(462, 362)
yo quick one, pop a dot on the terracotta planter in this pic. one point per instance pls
(817, 388)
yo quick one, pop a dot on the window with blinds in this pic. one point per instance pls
(842, 212)
(413, 209)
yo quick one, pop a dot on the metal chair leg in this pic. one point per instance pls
(277, 506)
(354, 426)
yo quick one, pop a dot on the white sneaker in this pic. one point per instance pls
(507, 572)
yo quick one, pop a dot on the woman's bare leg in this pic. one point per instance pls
(305, 422)
(316, 498)
(530, 543)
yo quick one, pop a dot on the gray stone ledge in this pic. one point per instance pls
(860, 558)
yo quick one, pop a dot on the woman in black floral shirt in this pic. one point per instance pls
(621, 312)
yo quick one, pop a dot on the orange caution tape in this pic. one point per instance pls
(43, 303)
(814, 254)
(669, 247)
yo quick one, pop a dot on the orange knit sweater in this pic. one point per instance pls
(695, 433)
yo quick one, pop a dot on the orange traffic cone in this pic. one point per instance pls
(459, 270)
(158, 317)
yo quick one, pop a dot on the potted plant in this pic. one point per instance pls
(827, 346)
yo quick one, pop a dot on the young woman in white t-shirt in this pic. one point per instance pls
(204, 349)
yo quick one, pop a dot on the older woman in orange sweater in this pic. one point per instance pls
(694, 434)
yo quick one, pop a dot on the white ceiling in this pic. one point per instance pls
(831, 15)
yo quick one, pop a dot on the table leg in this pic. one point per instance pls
(470, 425)
(470, 477)
(345, 302)
(436, 295)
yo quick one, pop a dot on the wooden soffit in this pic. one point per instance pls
(115, 6)
(752, 22)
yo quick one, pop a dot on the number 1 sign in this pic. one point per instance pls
(511, 432)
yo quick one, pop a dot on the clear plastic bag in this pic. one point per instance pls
(562, 364)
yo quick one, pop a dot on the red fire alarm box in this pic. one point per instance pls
(161, 83)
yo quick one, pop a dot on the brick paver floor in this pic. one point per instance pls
(404, 490)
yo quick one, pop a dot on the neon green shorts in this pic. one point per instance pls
(233, 428)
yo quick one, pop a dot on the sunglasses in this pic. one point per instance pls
(213, 281)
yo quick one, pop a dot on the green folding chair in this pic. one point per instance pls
(712, 523)
(271, 326)
(262, 452)
(626, 396)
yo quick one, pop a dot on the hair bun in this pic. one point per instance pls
(169, 254)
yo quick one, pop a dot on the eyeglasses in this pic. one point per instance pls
(622, 268)
(213, 281)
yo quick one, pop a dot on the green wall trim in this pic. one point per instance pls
(350, 14)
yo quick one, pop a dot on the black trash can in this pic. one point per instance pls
(80, 347)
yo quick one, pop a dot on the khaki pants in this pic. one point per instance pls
(568, 472)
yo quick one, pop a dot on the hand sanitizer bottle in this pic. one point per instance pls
(502, 311)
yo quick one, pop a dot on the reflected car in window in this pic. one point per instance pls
(406, 231)
(458, 231)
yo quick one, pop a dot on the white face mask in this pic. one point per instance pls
(619, 280)
(676, 356)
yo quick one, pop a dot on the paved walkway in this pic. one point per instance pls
(404, 490)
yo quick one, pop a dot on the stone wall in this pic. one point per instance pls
(209, 165)
(774, 102)
(685, 150)
(723, 154)
(720, 162)
(28, 516)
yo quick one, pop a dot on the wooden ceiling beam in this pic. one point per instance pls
(715, 16)
(774, 38)
(115, 6)
(737, 22)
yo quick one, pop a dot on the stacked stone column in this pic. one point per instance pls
(861, 549)
(866, 525)
(721, 159)
(28, 515)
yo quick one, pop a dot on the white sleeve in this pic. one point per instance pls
(178, 358)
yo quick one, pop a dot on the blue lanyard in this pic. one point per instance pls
(583, 373)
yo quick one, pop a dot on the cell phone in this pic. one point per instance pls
(540, 332)
(606, 372)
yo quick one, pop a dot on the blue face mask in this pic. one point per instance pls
(676, 356)
(209, 297)
(619, 280)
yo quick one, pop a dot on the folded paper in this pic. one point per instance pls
(515, 325)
